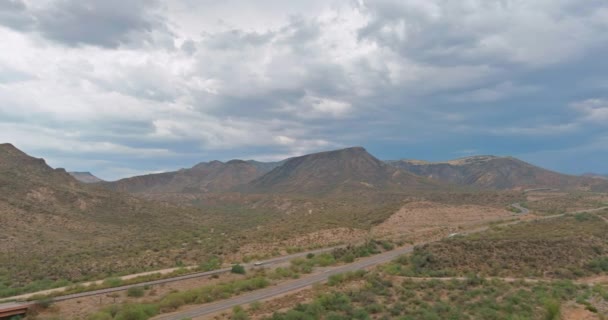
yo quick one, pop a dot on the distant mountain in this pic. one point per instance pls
(214, 176)
(595, 175)
(337, 171)
(493, 172)
(85, 177)
(265, 167)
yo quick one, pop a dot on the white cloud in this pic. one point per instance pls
(285, 77)
(593, 110)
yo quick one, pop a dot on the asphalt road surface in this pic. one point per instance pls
(286, 286)
(319, 277)
(521, 209)
(264, 263)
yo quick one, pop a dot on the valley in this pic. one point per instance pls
(96, 240)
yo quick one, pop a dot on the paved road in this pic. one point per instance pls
(268, 262)
(283, 287)
(286, 286)
(521, 209)
(316, 278)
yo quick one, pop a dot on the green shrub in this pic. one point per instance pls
(113, 282)
(239, 314)
(212, 264)
(137, 312)
(238, 269)
(135, 292)
(100, 316)
(552, 309)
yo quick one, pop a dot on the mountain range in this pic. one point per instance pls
(338, 171)
(214, 176)
(54, 226)
(351, 170)
(499, 173)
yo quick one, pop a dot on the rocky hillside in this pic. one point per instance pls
(346, 170)
(497, 173)
(214, 176)
(85, 177)
(53, 227)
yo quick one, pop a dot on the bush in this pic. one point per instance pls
(552, 310)
(598, 265)
(135, 292)
(255, 306)
(113, 282)
(239, 314)
(212, 264)
(238, 269)
(137, 312)
(44, 303)
(99, 316)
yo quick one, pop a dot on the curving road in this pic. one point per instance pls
(286, 286)
(521, 209)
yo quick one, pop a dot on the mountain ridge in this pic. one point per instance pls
(213, 176)
(343, 170)
(85, 176)
(496, 172)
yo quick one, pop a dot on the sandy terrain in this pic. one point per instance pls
(577, 312)
(322, 238)
(541, 195)
(425, 216)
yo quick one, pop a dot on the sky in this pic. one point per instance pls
(126, 87)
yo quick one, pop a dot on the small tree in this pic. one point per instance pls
(238, 269)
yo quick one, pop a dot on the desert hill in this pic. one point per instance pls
(214, 176)
(85, 177)
(53, 227)
(338, 171)
(494, 172)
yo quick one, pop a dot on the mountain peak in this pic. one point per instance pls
(85, 177)
(236, 162)
(472, 159)
(333, 171)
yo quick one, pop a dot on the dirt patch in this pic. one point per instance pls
(318, 239)
(603, 280)
(542, 195)
(425, 216)
(577, 312)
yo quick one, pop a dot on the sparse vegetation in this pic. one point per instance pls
(174, 300)
(562, 248)
(387, 297)
(135, 292)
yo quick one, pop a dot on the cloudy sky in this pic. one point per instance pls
(123, 87)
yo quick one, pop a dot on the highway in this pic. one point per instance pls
(282, 287)
(269, 262)
(306, 281)
(286, 286)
